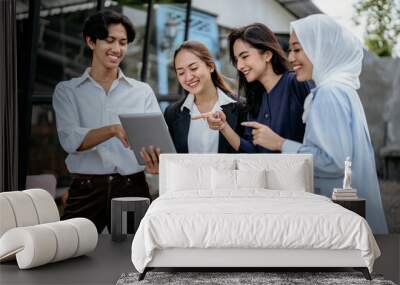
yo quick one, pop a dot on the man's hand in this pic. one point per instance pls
(264, 136)
(151, 159)
(119, 133)
(215, 120)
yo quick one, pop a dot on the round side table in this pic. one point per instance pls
(137, 205)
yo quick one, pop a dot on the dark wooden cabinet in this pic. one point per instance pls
(356, 205)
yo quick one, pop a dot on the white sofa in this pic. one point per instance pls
(31, 231)
(207, 201)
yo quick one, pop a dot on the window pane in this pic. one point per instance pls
(136, 11)
(166, 34)
(46, 154)
(61, 53)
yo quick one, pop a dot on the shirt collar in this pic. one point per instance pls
(188, 103)
(121, 75)
(86, 76)
(223, 99)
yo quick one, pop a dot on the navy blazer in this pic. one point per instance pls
(178, 122)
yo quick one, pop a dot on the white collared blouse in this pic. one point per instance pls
(81, 104)
(202, 139)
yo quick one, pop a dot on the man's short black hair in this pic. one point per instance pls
(96, 26)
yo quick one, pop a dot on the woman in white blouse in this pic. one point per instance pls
(206, 92)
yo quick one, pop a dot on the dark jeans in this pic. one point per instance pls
(90, 196)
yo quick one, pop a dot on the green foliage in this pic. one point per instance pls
(382, 24)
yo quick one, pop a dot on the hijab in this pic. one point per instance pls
(335, 53)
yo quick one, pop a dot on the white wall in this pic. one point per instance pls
(236, 13)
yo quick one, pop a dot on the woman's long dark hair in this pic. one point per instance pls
(203, 53)
(262, 38)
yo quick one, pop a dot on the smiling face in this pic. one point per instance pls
(250, 61)
(193, 73)
(110, 51)
(299, 60)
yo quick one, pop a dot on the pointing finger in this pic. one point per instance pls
(253, 125)
(202, 116)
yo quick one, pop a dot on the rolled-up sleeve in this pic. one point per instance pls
(290, 146)
(70, 133)
(328, 134)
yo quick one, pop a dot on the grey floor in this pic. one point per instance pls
(102, 266)
(110, 260)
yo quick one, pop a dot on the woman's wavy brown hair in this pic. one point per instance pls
(263, 39)
(204, 54)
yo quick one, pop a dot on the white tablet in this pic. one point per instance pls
(144, 130)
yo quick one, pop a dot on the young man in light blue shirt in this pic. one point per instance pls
(87, 108)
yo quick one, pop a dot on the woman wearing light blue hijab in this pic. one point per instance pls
(336, 126)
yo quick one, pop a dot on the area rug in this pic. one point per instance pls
(243, 278)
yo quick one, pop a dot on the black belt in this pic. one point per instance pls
(107, 176)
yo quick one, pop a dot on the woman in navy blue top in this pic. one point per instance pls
(280, 109)
(273, 95)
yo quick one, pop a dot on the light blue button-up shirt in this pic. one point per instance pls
(336, 128)
(81, 104)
